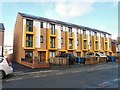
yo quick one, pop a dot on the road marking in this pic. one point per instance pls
(59, 73)
(14, 79)
(46, 71)
(18, 78)
(108, 82)
(75, 71)
(44, 76)
(36, 76)
(10, 80)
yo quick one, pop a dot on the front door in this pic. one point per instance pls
(42, 56)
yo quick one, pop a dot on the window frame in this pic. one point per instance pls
(41, 24)
(29, 25)
(70, 43)
(61, 40)
(90, 33)
(85, 44)
(61, 27)
(41, 39)
(77, 30)
(52, 42)
(77, 42)
(29, 42)
(84, 33)
(52, 54)
(70, 31)
(52, 28)
(28, 58)
(95, 33)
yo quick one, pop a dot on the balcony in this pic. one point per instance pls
(52, 35)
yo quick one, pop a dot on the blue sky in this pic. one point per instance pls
(99, 15)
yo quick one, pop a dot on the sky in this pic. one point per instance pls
(102, 15)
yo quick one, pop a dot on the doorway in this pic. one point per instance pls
(41, 56)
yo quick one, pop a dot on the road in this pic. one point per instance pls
(103, 75)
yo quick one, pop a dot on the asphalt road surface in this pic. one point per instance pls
(103, 75)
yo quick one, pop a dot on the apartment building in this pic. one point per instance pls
(37, 39)
(1, 38)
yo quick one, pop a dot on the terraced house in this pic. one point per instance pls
(36, 39)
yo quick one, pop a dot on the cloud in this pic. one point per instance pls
(73, 9)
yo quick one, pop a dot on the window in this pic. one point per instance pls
(52, 42)
(41, 39)
(70, 31)
(100, 35)
(105, 35)
(84, 33)
(90, 43)
(110, 44)
(95, 33)
(77, 31)
(77, 42)
(61, 27)
(106, 46)
(52, 54)
(70, 43)
(96, 45)
(29, 40)
(61, 40)
(80, 31)
(52, 28)
(28, 56)
(29, 26)
(84, 44)
(89, 33)
(41, 25)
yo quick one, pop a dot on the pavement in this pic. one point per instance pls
(23, 70)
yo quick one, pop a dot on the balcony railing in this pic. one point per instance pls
(70, 47)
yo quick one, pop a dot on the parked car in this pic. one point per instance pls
(70, 57)
(5, 67)
(95, 54)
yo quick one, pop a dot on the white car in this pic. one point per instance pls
(95, 54)
(5, 67)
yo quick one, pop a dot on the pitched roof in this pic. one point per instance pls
(2, 26)
(61, 22)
